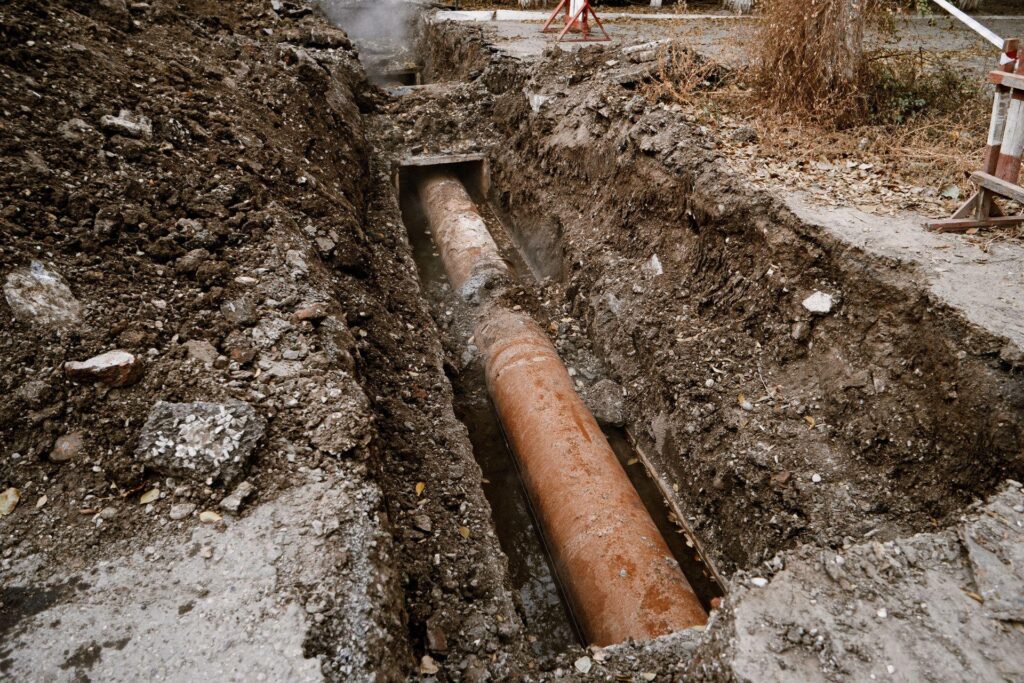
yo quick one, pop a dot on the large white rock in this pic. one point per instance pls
(819, 303)
(40, 297)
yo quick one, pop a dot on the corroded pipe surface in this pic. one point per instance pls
(620, 575)
(470, 256)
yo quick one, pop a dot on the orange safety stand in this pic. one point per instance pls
(576, 23)
(1002, 153)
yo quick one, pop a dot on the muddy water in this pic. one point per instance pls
(551, 629)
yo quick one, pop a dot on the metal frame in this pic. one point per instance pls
(577, 22)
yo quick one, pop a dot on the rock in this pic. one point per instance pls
(181, 510)
(211, 272)
(40, 297)
(35, 393)
(209, 517)
(606, 402)
(128, 124)
(759, 582)
(67, 447)
(240, 311)
(818, 303)
(9, 500)
(1012, 355)
(200, 440)
(428, 666)
(114, 368)
(312, 313)
(652, 266)
(423, 523)
(583, 665)
(437, 641)
(74, 130)
(201, 350)
(233, 502)
(190, 262)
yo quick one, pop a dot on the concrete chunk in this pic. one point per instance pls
(200, 440)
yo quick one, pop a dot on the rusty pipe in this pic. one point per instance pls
(619, 573)
(471, 258)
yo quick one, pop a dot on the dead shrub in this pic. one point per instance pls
(810, 58)
(682, 72)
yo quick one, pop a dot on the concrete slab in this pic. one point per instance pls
(232, 601)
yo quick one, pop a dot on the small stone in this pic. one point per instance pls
(816, 478)
(648, 675)
(128, 124)
(583, 664)
(423, 523)
(746, 405)
(181, 510)
(190, 262)
(818, 303)
(233, 502)
(882, 613)
(209, 517)
(759, 582)
(9, 500)
(201, 350)
(437, 641)
(67, 447)
(606, 402)
(114, 368)
(108, 513)
(206, 552)
(428, 666)
(41, 297)
(240, 311)
(313, 313)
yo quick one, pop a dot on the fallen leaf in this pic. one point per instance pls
(9, 500)
(741, 398)
(41, 502)
(420, 486)
(973, 596)
(209, 517)
(810, 421)
(632, 461)
(464, 530)
(149, 496)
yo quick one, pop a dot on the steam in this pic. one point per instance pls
(371, 20)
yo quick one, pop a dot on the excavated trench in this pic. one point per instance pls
(749, 424)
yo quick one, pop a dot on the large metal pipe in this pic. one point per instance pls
(619, 573)
(470, 256)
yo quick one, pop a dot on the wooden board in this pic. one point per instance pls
(962, 224)
(1001, 187)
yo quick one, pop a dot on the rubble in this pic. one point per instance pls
(200, 441)
(233, 502)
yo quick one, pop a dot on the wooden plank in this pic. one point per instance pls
(969, 207)
(1014, 81)
(1001, 187)
(962, 224)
